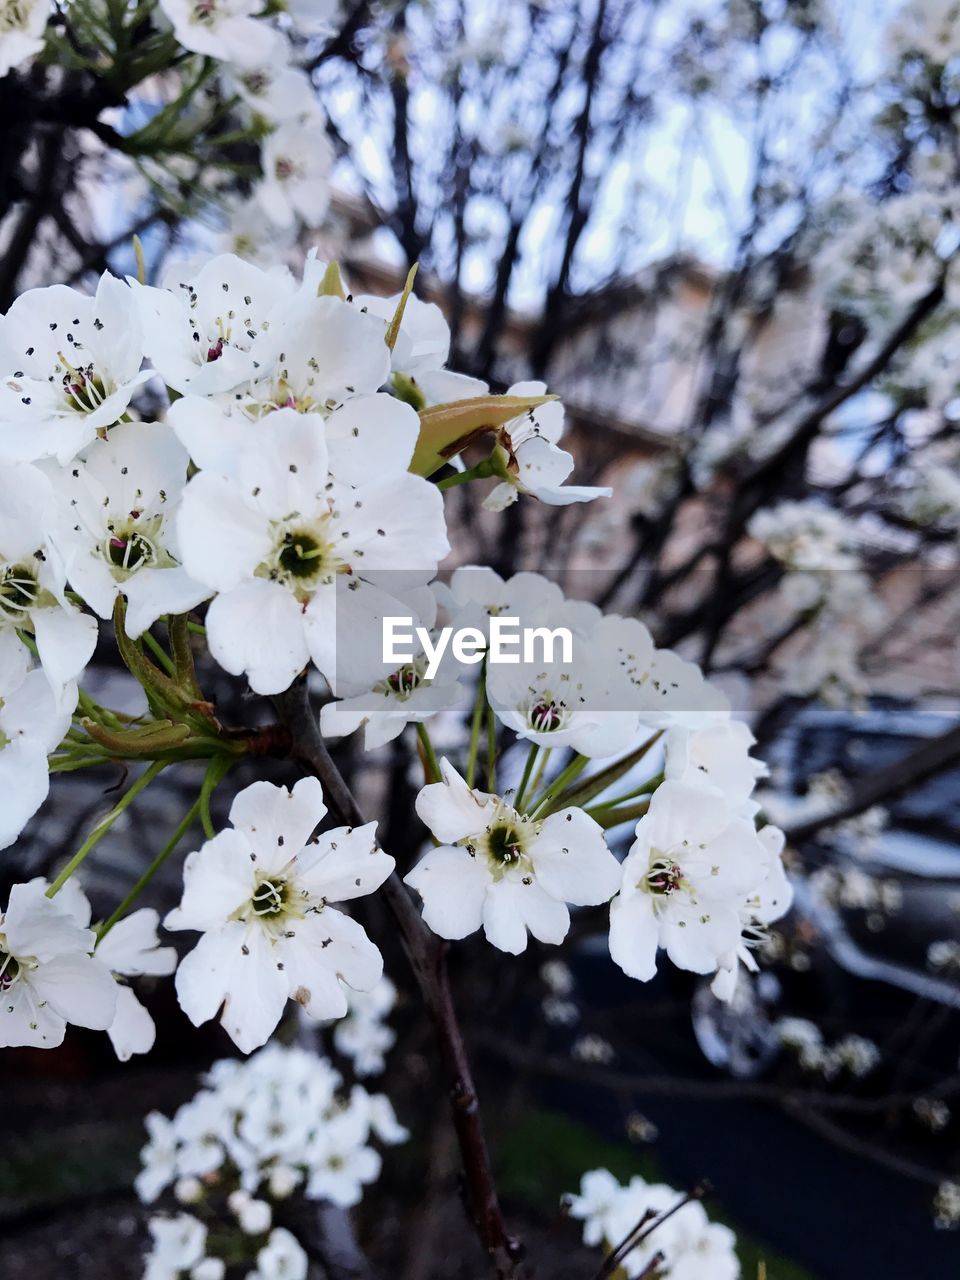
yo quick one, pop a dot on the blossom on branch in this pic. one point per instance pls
(504, 871)
(259, 894)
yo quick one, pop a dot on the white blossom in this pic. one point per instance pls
(296, 159)
(421, 350)
(297, 557)
(691, 1247)
(533, 463)
(258, 892)
(118, 535)
(179, 1249)
(281, 1258)
(33, 577)
(69, 366)
(363, 1034)
(22, 26)
(221, 29)
(33, 721)
(204, 327)
(503, 870)
(130, 949)
(47, 974)
(692, 865)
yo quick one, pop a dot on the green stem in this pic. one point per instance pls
(524, 781)
(491, 750)
(159, 653)
(433, 765)
(561, 781)
(70, 763)
(475, 724)
(187, 822)
(649, 786)
(217, 770)
(482, 471)
(105, 823)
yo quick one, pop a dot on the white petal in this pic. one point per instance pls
(451, 809)
(512, 907)
(66, 639)
(371, 436)
(257, 628)
(24, 783)
(278, 822)
(634, 935)
(222, 536)
(324, 943)
(132, 1030)
(79, 988)
(572, 861)
(217, 879)
(132, 946)
(344, 863)
(154, 592)
(453, 887)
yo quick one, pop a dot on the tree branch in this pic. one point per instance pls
(933, 755)
(427, 957)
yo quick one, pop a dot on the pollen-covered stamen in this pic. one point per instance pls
(403, 682)
(133, 542)
(19, 590)
(664, 875)
(269, 898)
(504, 843)
(9, 970)
(256, 82)
(302, 554)
(13, 16)
(83, 388)
(215, 352)
(546, 715)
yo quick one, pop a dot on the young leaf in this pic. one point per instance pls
(447, 429)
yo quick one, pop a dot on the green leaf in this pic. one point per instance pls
(394, 327)
(331, 286)
(447, 429)
(152, 740)
(582, 792)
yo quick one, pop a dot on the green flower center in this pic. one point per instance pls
(270, 898)
(302, 555)
(505, 844)
(133, 543)
(9, 970)
(19, 590)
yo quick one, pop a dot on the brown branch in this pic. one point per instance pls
(878, 788)
(797, 1100)
(644, 1228)
(427, 956)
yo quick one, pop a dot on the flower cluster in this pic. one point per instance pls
(362, 1034)
(699, 879)
(689, 1245)
(258, 1132)
(853, 1054)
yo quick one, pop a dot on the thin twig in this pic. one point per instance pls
(427, 957)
